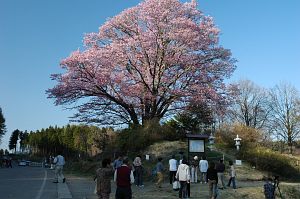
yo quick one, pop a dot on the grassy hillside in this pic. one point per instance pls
(249, 180)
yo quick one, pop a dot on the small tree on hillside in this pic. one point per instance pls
(250, 136)
(145, 63)
(197, 118)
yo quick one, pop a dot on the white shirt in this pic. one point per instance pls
(183, 173)
(59, 160)
(173, 165)
(203, 165)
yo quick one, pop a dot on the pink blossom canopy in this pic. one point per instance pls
(145, 62)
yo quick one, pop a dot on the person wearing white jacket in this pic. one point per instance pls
(183, 175)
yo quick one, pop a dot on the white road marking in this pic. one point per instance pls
(42, 187)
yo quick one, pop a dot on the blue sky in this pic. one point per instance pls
(35, 35)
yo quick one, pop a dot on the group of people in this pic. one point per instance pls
(6, 162)
(124, 176)
(210, 173)
(183, 172)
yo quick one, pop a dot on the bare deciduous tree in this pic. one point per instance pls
(285, 107)
(250, 105)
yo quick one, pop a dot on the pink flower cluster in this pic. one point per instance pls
(147, 58)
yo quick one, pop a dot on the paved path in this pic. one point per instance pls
(83, 188)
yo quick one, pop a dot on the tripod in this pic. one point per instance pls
(276, 185)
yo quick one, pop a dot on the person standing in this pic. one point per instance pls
(269, 189)
(59, 162)
(159, 172)
(9, 162)
(212, 179)
(172, 169)
(220, 169)
(103, 177)
(137, 163)
(124, 178)
(183, 175)
(194, 169)
(118, 162)
(203, 166)
(232, 175)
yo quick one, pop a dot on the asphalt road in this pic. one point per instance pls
(27, 183)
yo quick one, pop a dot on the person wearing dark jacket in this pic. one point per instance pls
(103, 177)
(212, 179)
(220, 167)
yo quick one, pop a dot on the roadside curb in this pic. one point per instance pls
(63, 191)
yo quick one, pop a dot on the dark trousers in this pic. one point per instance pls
(123, 193)
(138, 175)
(188, 187)
(183, 191)
(172, 175)
(231, 179)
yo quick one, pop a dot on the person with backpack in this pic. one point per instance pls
(59, 162)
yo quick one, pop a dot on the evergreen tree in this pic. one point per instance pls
(2, 124)
(22, 137)
(197, 118)
(14, 140)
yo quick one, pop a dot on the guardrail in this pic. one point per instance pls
(35, 164)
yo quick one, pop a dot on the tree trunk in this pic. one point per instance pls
(290, 144)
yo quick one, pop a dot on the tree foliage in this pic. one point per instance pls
(23, 136)
(251, 137)
(72, 140)
(2, 124)
(145, 63)
(196, 118)
(14, 140)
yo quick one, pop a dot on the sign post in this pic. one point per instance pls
(196, 145)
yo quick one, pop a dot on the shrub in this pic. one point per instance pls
(170, 133)
(138, 138)
(226, 134)
(273, 162)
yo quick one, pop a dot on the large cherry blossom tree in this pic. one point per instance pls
(145, 63)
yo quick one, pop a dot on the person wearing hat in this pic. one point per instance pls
(194, 168)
